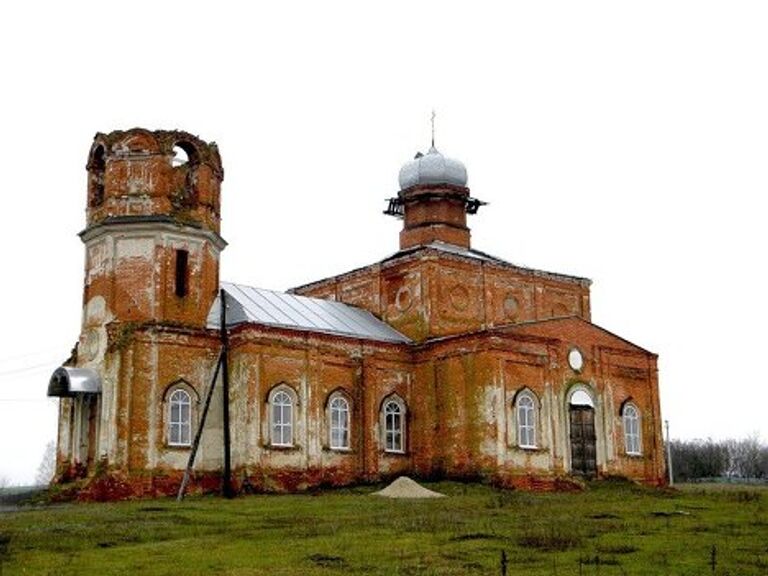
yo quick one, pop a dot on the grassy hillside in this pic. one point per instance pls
(611, 528)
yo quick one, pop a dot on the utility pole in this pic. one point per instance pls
(225, 389)
(669, 454)
(199, 433)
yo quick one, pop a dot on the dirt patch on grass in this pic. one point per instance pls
(617, 549)
(475, 536)
(550, 540)
(604, 516)
(153, 509)
(327, 561)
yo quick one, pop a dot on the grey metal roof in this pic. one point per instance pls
(466, 252)
(269, 307)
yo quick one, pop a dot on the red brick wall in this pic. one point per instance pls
(430, 294)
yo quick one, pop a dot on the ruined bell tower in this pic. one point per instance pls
(152, 236)
(152, 249)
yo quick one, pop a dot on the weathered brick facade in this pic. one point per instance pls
(502, 375)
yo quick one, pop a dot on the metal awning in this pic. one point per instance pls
(67, 381)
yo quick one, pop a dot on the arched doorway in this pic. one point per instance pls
(581, 410)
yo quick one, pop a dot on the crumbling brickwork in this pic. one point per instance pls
(428, 292)
(504, 377)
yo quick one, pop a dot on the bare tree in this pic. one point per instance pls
(47, 467)
(744, 457)
(764, 462)
(4, 482)
(694, 459)
(698, 459)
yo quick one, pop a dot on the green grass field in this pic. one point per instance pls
(610, 528)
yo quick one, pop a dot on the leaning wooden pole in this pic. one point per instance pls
(199, 433)
(228, 493)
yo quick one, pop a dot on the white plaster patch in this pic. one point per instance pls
(96, 311)
(175, 458)
(139, 180)
(489, 401)
(143, 248)
(178, 241)
(138, 205)
(488, 447)
(489, 412)
(97, 262)
(93, 344)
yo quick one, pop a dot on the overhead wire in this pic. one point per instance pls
(48, 352)
(28, 368)
(43, 399)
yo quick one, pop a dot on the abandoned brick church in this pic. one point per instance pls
(438, 361)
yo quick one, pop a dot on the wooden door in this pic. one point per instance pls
(583, 449)
(93, 414)
(87, 422)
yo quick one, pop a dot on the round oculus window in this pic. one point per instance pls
(575, 359)
(511, 306)
(459, 296)
(403, 298)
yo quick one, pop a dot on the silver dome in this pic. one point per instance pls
(432, 168)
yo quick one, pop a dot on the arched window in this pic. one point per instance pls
(339, 422)
(580, 397)
(96, 167)
(526, 420)
(180, 156)
(394, 425)
(281, 414)
(631, 418)
(180, 418)
(186, 159)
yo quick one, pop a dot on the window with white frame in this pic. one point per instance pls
(281, 417)
(339, 422)
(526, 420)
(631, 418)
(394, 425)
(180, 418)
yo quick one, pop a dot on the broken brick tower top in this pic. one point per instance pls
(152, 235)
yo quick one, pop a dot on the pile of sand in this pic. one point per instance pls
(404, 487)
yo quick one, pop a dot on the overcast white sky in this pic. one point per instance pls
(625, 142)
